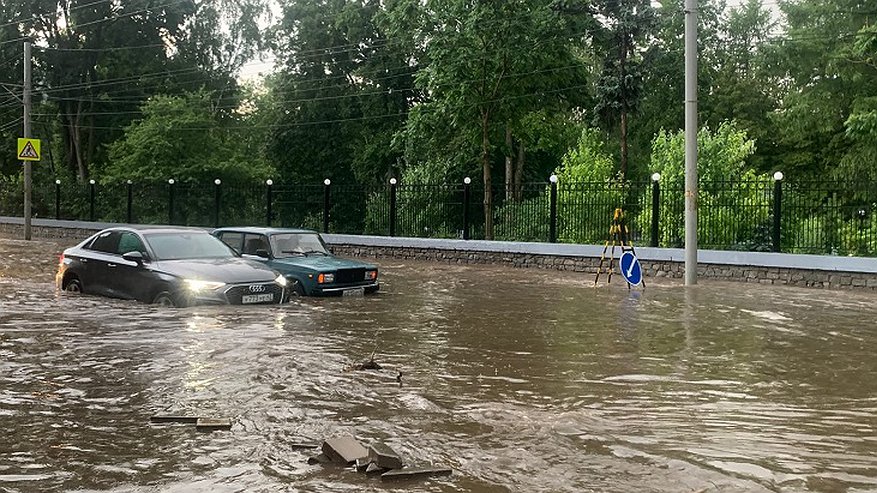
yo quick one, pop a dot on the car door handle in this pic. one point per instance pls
(111, 265)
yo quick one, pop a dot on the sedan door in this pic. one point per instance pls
(99, 260)
(132, 280)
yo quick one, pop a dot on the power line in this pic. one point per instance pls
(363, 118)
(9, 125)
(388, 91)
(100, 50)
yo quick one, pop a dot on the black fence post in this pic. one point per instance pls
(393, 207)
(269, 214)
(326, 184)
(91, 200)
(656, 207)
(466, 182)
(217, 192)
(130, 211)
(57, 199)
(777, 208)
(170, 201)
(552, 210)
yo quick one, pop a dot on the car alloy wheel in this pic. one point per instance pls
(165, 299)
(297, 289)
(73, 286)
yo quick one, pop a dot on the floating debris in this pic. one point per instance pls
(344, 449)
(415, 473)
(174, 419)
(378, 458)
(304, 445)
(362, 464)
(319, 459)
(212, 424)
(381, 454)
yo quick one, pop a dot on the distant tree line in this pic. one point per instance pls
(435, 90)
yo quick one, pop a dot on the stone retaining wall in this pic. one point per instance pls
(651, 269)
(11, 230)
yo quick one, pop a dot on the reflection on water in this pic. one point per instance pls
(520, 380)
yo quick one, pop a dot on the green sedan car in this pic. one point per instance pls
(302, 257)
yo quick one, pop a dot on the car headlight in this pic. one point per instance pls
(197, 285)
(324, 278)
(281, 281)
(371, 275)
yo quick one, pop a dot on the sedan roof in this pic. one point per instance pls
(158, 229)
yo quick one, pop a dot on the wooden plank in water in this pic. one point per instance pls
(171, 418)
(415, 473)
(210, 424)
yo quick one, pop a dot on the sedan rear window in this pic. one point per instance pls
(179, 246)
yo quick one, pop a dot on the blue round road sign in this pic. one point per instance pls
(630, 268)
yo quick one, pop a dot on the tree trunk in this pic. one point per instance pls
(624, 96)
(509, 163)
(73, 139)
(623, 143)
(519, 174)
(485, 168)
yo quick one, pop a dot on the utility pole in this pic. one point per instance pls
(27, 166)
(690, 142)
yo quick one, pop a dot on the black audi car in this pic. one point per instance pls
(167, 266)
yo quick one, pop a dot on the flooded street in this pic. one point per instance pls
(519, 380)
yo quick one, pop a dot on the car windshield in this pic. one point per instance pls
(179, 246)
(297, 245)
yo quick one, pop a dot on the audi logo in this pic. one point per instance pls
(257, 288)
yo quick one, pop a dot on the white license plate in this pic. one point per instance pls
(257, 298)
(354, 292)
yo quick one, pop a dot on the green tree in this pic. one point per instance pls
(826, 55)
(486, 67)
(733, 202)
(626, 26)
(96, 62)
(589, 189)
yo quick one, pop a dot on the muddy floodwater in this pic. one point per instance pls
(519, 380)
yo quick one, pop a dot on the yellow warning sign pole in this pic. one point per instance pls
(25, 96)
(618, 234)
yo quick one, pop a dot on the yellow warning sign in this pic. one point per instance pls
(29, 149)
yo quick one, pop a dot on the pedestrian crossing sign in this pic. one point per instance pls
(29, 149)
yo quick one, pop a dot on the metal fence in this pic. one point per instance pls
(836, 218)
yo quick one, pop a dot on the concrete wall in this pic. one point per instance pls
(766, 268)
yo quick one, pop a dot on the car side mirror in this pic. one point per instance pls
(137, 257)
(263, 253)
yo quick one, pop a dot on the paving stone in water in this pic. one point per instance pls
(381, 454)
(344, 449)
